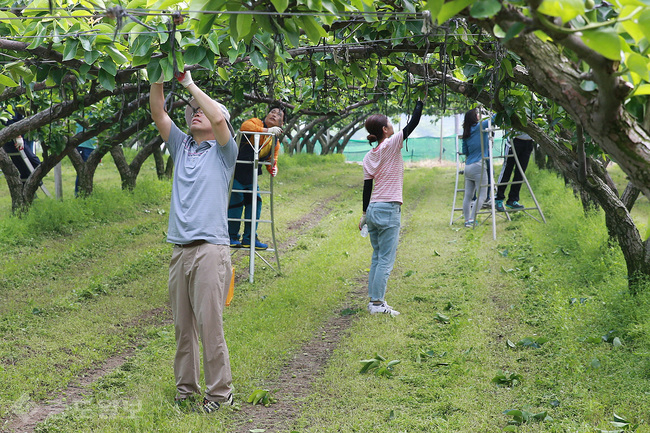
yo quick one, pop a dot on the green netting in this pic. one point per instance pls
(419, 149)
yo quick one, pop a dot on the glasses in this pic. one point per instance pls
(197, 111)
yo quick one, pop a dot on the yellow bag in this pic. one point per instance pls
(231, 290)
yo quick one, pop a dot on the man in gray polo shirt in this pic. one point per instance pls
(200, 269)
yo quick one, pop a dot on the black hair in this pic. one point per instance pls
(471, 119)
(279, 107)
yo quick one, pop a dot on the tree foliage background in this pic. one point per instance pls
(573, 74)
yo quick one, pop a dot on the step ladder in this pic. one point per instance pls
(511, 152)
(242, 140)
(492, 212)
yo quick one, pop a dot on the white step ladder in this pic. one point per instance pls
(255, 163)
(492, 212)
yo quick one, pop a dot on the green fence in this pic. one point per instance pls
(416, 149)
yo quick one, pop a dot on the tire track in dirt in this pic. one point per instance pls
(292, 386)
(26, 414)
(298, 376)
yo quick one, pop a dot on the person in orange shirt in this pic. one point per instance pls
(243, 180)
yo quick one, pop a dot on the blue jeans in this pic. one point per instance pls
(239, 202)
(383, 219)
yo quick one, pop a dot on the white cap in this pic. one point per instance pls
(193, 106)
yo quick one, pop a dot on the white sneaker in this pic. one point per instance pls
(382, 308)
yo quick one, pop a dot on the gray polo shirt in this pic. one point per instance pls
(199, 204)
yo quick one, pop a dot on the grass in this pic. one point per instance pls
(96, 267)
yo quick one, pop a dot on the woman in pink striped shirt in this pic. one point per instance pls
(383, 173)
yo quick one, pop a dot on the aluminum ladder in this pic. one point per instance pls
(255, 164)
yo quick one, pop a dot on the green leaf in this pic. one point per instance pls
(106, 80)
(566, 10)
(265, 23)
(204, 24)
(605, 40)
(485, 8)
(7, 81)
(280, 5)
(70, 49)
(313, 29)
(40, 37)
(86, 42)
(109, 66)
(450, 9)
(208, 60)
(434, 6)
(644, 23)
(633, 27)
(498, 31)
(193, 55)
(84, 69)
(258, 60)
(314, 5)
(514, 31)
(291, 30)
(441, 318)
(90, 57)
(117, 56)
(356, 71)
(638, 64)
(643, 89)
(595, 363)
(244, 23)
(141, 45)
(223, 73)
(507, 65)
(154, 70)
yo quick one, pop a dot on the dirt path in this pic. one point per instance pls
(27, 414)
(298, 376)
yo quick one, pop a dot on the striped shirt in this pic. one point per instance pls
(384, 164)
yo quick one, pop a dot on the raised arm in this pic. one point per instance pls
(210, 108)
(415, 119)
(158, 114)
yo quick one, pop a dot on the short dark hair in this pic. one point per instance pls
(279, 107)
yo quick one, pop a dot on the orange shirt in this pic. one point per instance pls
(266, 141)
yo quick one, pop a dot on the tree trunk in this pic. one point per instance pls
(158, 157)
(127, 176)
(620, 224)
(16, 188)
(169, 169)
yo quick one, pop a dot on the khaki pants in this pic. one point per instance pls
(199, 278)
